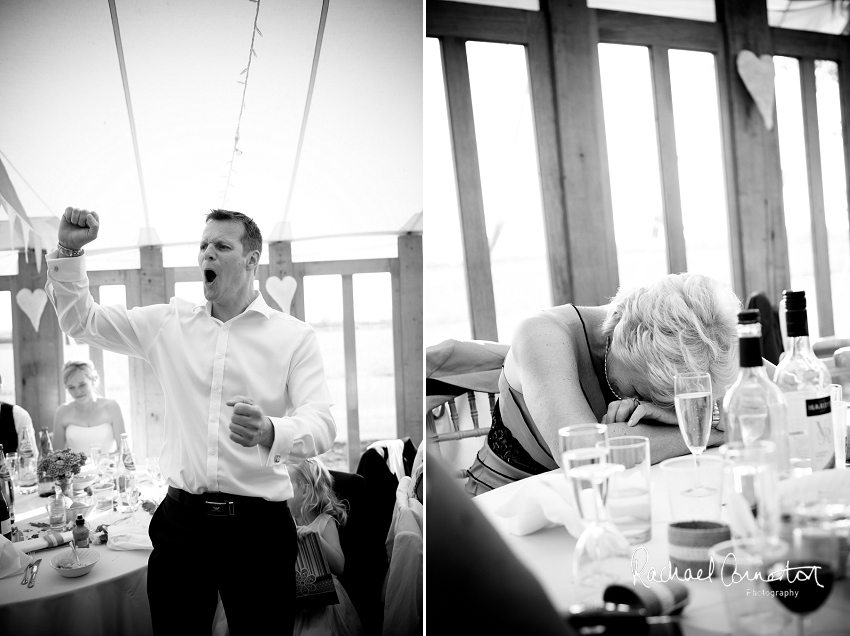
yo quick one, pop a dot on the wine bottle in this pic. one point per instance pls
(805, 381)
(5, 517)
(45, 445)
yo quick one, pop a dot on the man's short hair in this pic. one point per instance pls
(252, 238)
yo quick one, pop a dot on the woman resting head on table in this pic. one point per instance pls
(612, 364)
(87, 419)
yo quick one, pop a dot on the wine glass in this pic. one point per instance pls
(803, 579)
(602, 552)
(155, 473)
(95, 459)
(693, 412)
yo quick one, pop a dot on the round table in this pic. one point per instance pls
(111, 599)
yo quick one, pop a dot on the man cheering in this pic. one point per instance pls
(245, 394)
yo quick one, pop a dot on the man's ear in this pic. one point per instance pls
(253, 260)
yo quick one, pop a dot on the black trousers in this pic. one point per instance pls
(247, 558)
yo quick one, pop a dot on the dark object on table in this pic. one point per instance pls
(149, 506)
(475, 583)
(8, 432)
(771, 334)
(362, 544)
(649, 600)
(612, 618)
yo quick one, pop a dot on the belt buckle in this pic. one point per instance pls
(220, 508)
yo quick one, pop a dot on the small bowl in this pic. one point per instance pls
(83, 480)
(88, 556)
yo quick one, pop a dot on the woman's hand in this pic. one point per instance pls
(633, 411)
(304, 530)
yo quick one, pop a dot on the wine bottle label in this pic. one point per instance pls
(810, 430)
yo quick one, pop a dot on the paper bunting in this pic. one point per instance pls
(15, 210)
(282, 291)
(32, 303)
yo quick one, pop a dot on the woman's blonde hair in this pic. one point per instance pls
(681, 323)
(86, 366)
(320, 496)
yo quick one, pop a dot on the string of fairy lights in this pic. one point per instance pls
(246, 72)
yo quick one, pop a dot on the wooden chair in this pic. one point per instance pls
(461, 386)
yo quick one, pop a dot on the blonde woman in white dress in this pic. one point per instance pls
(87, 419)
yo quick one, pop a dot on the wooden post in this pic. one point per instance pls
(407, 337)
(39, 354)
(280, 265)
(352, 403)
(95, 353)
(757, 172)
(147, 287)
(581, 138)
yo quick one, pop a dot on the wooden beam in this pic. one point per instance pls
(362, 266)
(476, 249)
(578, 97)
(621, 27)
(407, 318)
(668, 159)
(478, 22)
(820, 46)
(352, 403)
(551, 188)
(96, 353)
(758, 174)
(6, 283)
(185, 274)
(98, 278)
(820, 240)
(38, 352)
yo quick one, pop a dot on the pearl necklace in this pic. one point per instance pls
(607, 344)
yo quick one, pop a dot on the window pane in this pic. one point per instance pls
(795, 185)
(510, 183)
(446, 307)
(116, 369)
(834, 191)
(633, 163)
(700, 151)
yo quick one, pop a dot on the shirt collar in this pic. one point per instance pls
(258, 305)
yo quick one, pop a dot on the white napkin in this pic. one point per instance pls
(824, 484)
(395, 455)
(28, 545)
(542, 502)
(129, 538)
(12, 560)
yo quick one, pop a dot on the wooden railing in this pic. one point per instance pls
(39, 353)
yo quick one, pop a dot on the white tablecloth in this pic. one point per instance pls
(111, 599)
(548, 554)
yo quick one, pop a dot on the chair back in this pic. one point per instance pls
(362, 542)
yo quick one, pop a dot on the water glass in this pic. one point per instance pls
(750, 485)
(104, 494)
(743, 567)
(693, 492)
(629, 503)
(13, 464)
(154, 472)
(95, 458)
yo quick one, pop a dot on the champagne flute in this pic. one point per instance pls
(602, 552)
(693, 412)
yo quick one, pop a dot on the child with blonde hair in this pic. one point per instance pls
(317, 509)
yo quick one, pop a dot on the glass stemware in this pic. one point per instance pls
(693, 412)
(602, 552)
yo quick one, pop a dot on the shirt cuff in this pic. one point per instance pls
(65, 270)
(282, 445)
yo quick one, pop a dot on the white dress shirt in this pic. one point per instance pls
(202, 363)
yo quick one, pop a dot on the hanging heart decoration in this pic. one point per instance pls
(282, 291)
(32, 303)
(758, 75)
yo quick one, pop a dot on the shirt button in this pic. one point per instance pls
(219, 358)
(212, 451)
(55, 268)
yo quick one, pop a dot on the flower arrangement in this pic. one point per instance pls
(61, 464)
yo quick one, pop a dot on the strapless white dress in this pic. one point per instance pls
(80, 439)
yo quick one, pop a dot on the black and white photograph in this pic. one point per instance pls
(211, 317)
(637, 316)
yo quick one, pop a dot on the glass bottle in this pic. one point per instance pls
(27, 471)
(6, 486)
(80, 533)
(128, 494)
(755, 407)
(44, 442)
(5, 518)
(56, 508)
(805, 381)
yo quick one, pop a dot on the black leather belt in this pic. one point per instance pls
(222, 504)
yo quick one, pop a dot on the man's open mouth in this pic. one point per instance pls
(209, 275)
